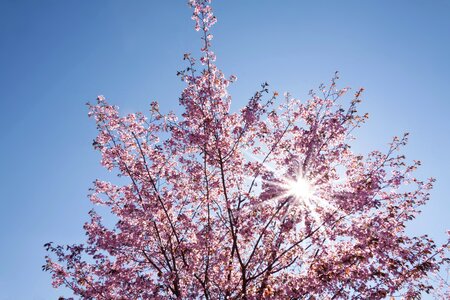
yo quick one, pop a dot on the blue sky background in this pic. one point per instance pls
(56, 55)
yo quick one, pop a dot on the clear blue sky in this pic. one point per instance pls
(55, 55)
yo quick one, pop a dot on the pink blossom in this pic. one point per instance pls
(268, 202)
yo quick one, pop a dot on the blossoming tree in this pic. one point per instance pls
(266, 203)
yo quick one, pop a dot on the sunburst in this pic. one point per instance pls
(300, 188)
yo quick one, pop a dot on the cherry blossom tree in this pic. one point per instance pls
(266, 203)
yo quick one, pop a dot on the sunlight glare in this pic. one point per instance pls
(300, 188)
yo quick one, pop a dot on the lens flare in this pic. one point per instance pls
(300, 188)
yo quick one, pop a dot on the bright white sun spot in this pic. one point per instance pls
(300, 188)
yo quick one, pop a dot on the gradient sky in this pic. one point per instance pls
(56, 55)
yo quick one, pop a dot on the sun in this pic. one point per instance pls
(300, 188)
